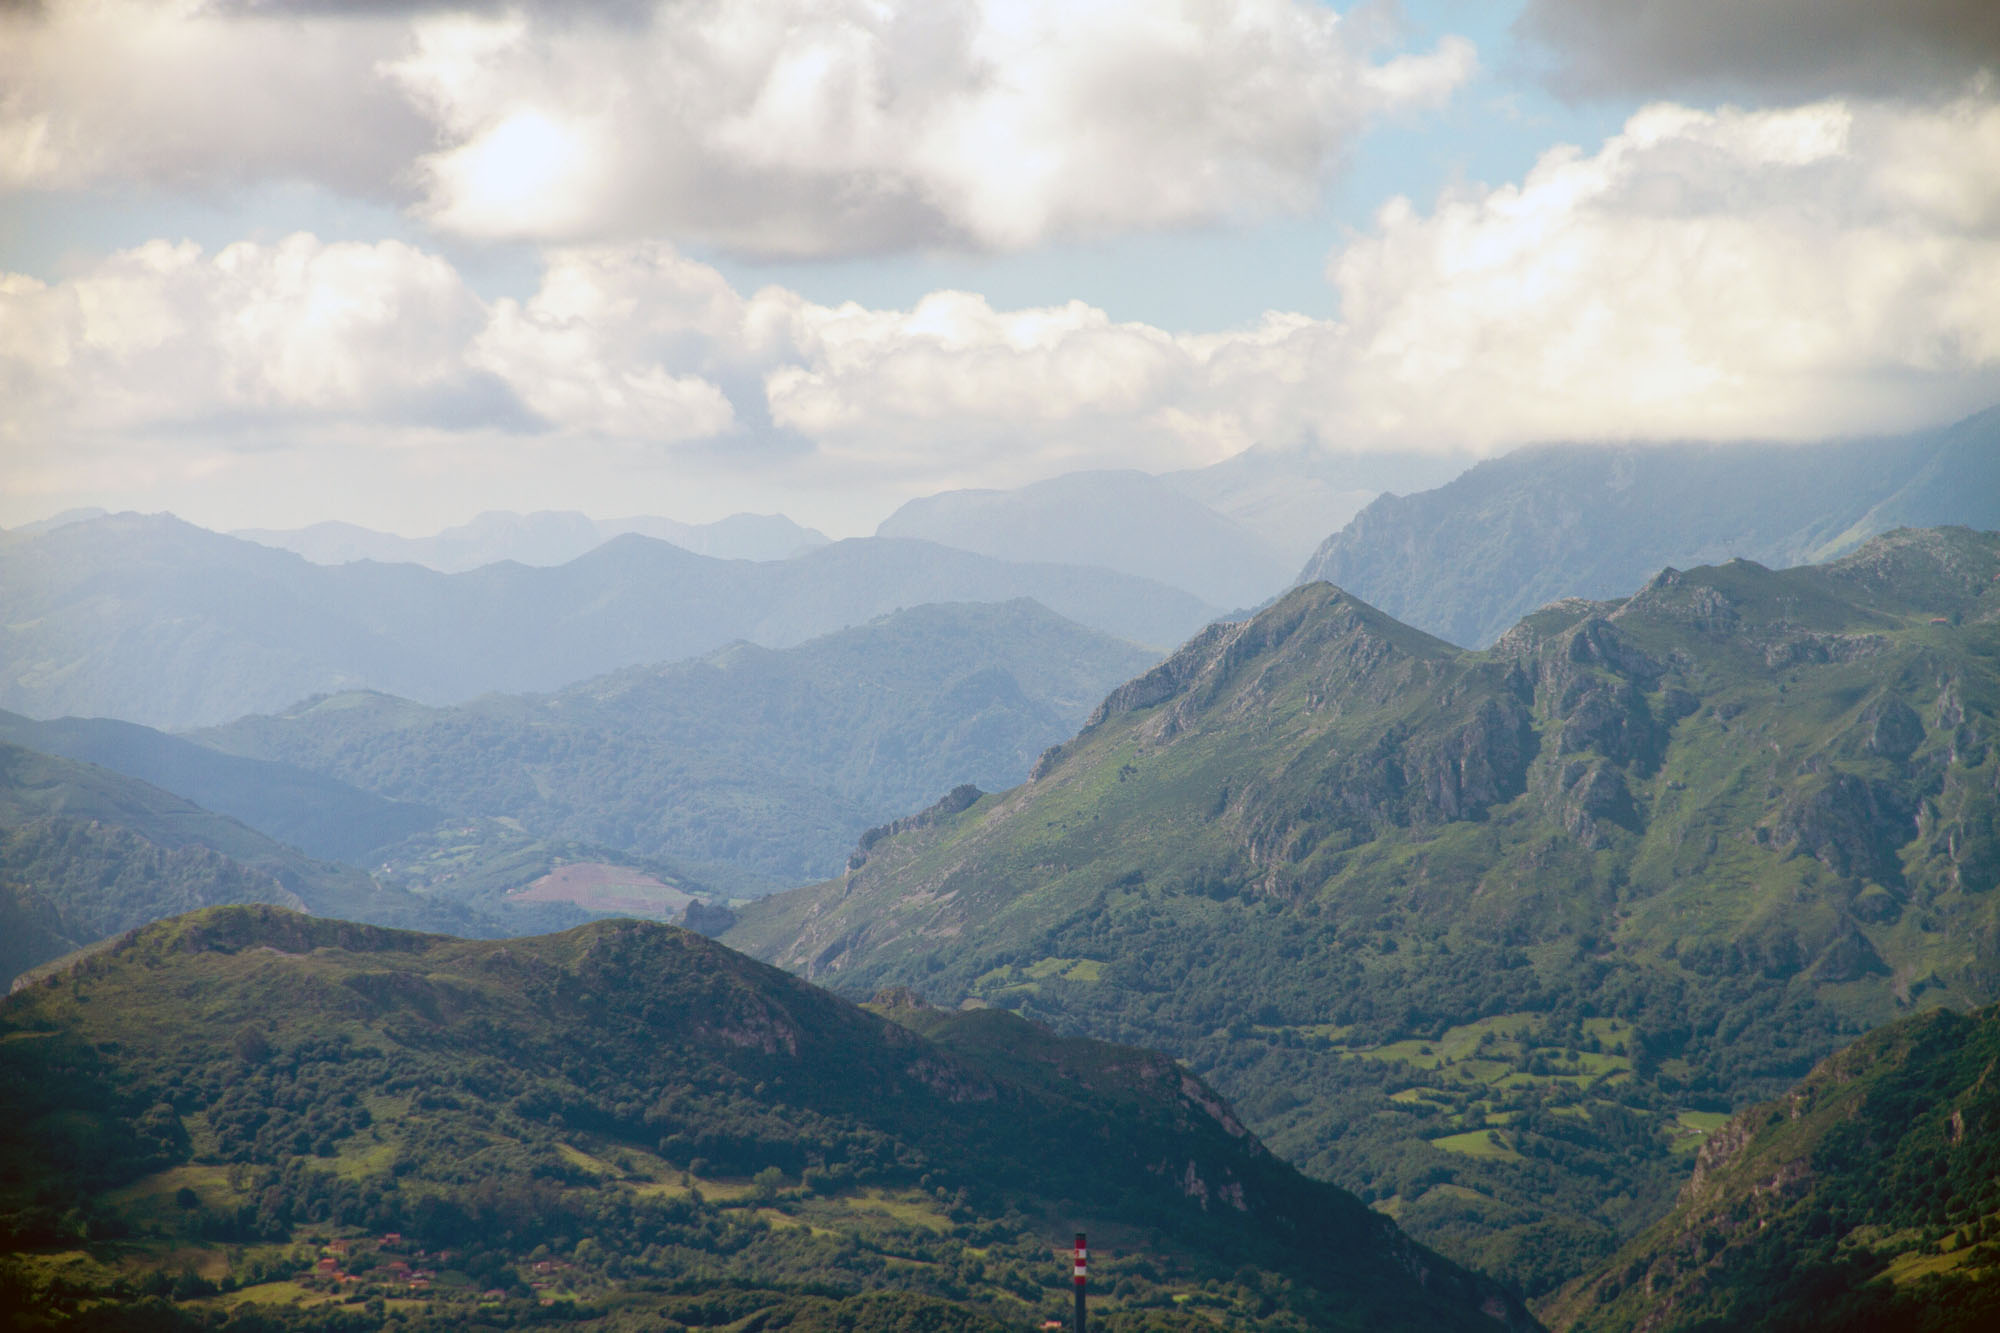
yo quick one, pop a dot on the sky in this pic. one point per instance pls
(395, 262)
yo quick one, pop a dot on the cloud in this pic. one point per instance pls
(165, 337)
(782, 128)
(882, 382)
(809, 127)
(169, 93)
(604, 345)
(1779, 49)
(1817, 270)
(1826, 269)
(1799, 273)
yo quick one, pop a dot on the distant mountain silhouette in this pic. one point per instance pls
(546, 537)
(1127, 521)
(1465, 561)
(153, 620)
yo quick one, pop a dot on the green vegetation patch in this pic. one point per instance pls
(1477, 1143)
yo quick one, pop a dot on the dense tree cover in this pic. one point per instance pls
(1491, 938)
(318, 815)
(1314, 1056)
(637, 1124)
(66, 882)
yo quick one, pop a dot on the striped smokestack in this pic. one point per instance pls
(1082, 1262)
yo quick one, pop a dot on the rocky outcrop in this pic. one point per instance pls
(1479, 764)
(1850, 824)
(1894, 730)
(705, 918)
(1403, 778)
(1584, 796)
(956, 801)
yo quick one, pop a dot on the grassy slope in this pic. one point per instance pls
(1490, 937)
(1867, 1197)
(641, 1121)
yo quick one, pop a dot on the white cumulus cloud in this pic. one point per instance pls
(166, 335)
(606, 344)
(815, 127)
(778, 128)
(1817, 270)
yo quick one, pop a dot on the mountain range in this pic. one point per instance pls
(770, 761)
(1468, 559)
(647, 792)
(153, 620)
(1292, 496)
(547, 537)
(1260, 512)
(627, 1125)
(1634, 958)
(1493, 938)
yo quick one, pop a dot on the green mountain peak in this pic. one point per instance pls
(1481, 935)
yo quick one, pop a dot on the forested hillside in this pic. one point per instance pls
(86, 853)
(320, 816)
(628, 1126)
(1866, 1198)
